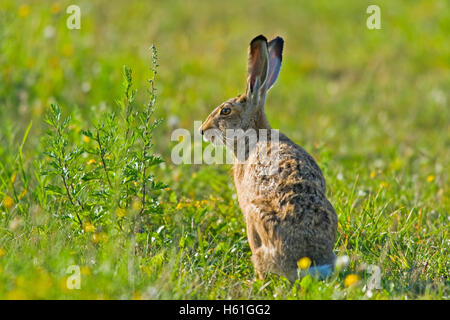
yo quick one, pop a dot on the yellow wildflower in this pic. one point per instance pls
(13, 177)
(91, 161)
(136, 205)
(137, 296)
(86, 139)
(24, 10)
(56, 8)
(85, 271)
(372, 174)
(8, 202)
(179, 206)
(430, 178)
(120, 212)
(67, 50)
(304, 263)
(23, 194)
(351, 279)
(89, 227)
(396, 164)
(98, 237)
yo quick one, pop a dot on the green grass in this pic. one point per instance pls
(371, 106)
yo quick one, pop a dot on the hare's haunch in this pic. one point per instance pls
(281, 189)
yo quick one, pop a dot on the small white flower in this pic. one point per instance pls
(96, 68)
(85, 87)
(49, 32)
(438, 96)
(342, 261)
(173, 121)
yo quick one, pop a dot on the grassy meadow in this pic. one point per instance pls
(88, 188)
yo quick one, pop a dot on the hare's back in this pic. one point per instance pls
(283, 163)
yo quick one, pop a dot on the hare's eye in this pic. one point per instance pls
(225, 111)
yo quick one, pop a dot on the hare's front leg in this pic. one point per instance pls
(254, 241)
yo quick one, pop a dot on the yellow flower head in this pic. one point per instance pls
(85, 271)
(89, 227)
(384, 184)
(137, 296)
(136, 205)
(351, 279)
(304, 263)
(67, 50)
(8, 202)
(23, 194)
(120, 212)
(98, 237)
(86, 139)
(91, 161)
(430, 178)
(24, 10)
(13, 177)
(56, 8)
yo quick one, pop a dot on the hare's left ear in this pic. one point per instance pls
(257, 67)
(275, 57)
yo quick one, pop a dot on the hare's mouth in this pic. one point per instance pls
(216, 140)
(214, 136)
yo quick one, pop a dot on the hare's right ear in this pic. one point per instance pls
(275, 57)
(257, 67)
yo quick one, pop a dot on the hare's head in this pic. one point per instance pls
(246, 111)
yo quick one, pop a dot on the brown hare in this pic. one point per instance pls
(286, 211)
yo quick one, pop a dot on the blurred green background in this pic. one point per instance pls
(372, 107)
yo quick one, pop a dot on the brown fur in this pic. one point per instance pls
(287, 213)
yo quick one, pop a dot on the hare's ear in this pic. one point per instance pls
(257, 66)
(275, 57)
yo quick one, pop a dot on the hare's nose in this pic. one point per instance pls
(201, 131)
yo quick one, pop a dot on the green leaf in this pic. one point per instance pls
(54, 189)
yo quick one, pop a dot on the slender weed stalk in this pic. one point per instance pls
(117, 173)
